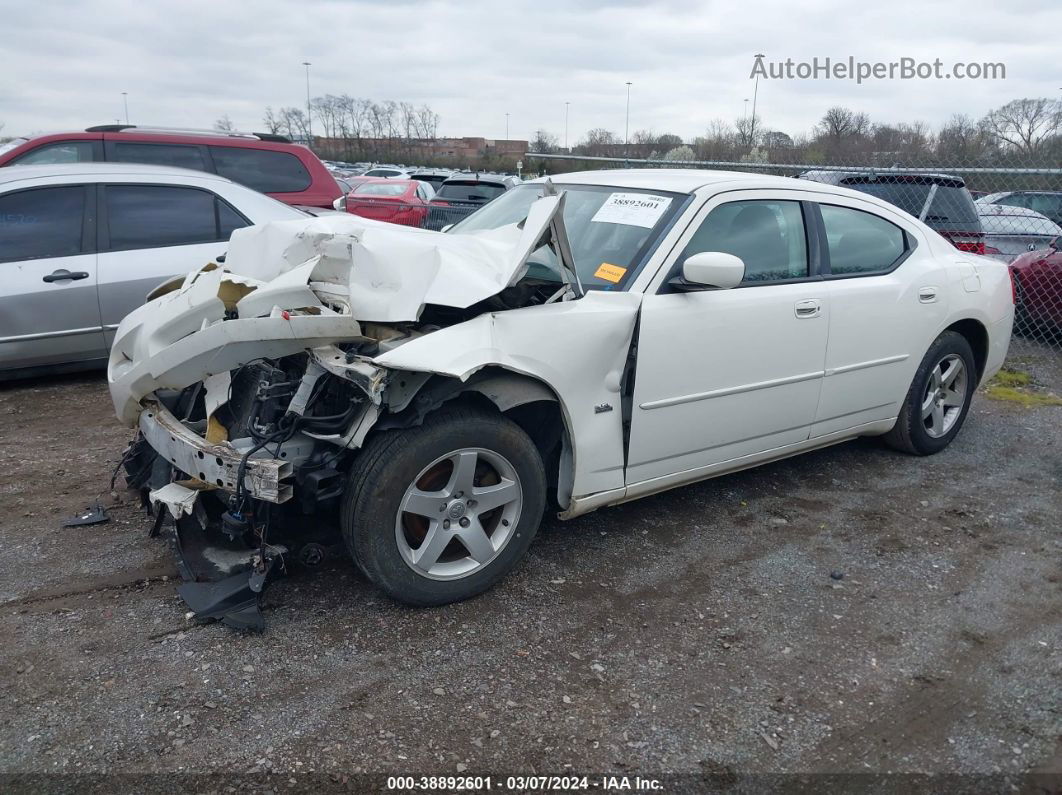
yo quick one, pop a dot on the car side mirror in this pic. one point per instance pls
(340, 203)
(710, 269)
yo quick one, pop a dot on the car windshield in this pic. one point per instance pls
(951, 205)
(470, 191)
(611, 230)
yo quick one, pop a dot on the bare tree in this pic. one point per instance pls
(544, 142)
(746, 132)
(840, 125)
(598, 142)
(224, 124)
(1025, 124)
(271, 121)
(961, 139)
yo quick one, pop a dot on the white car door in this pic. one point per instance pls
(888, 300)
(49, 313)
(724, 374)
(152, 232)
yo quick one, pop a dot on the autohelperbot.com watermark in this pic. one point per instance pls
(849, 68)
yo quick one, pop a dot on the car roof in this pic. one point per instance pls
(986, 208)
(19, 173)
(674, 180)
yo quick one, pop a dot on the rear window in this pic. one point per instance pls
(381, 188)
(470, 191)
(157, 154)
(152, 216)
(951, 204)
(262, 169)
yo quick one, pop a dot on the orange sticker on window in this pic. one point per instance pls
(610, 273)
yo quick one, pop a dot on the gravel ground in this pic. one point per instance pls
(698, 631)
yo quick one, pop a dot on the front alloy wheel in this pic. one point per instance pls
(440, 512)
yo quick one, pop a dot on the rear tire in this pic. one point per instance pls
(475, 472)
(939, 398)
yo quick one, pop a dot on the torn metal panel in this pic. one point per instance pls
(582, 358)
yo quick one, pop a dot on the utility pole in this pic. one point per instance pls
(309, 118)
(746, 109)
(125, 102)
(755, 93)
(566, 104)
(627, 125)
(506, 126)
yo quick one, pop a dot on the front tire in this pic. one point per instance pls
(439, 513)
(939, 398)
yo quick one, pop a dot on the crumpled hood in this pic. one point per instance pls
(386, 273)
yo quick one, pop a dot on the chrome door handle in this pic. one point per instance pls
(63, 275)
(809, 308)
(927, 295)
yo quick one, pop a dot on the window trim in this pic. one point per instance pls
(88, 225)
(909, 244)
(103, 233)
(302, 164)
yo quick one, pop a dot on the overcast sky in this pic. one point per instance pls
(65, 64)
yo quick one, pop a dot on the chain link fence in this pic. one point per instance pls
(1010, 211)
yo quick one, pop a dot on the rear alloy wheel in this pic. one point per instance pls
(440, 512)
(939, 397)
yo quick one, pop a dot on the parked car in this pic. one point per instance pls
(463, 194)
(389, 172)
(585, 342)
(1012, 231)
(1038, 289)
(397, 201)
(433, 176)
(1045, 202)
(81, 245)
(941, 201)
(268, 163)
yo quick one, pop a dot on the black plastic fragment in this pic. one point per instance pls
(94, 515)
(231, 601)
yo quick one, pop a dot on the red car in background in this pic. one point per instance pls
(264, 162)
(397, 201)
(1038, 288)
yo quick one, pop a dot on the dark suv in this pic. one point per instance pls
(463, 194)
(941, 201)
(271, 164)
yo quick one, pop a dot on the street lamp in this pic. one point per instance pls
(125, 102)
(746, 108)
(566, 104)
(755, 92)
(627, 125)
(506, 126)
(309, 118)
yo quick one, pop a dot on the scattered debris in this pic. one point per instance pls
(94, 515)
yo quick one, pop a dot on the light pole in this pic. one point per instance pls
(746, 108)
(755, 93)
(627, 124)
(125, 102)
(506, 126)
(566, 104)
(309, 118)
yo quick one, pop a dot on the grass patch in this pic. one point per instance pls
(1015, 386)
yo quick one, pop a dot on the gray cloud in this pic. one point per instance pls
(66, 63)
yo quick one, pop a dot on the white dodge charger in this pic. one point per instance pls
(577, 343)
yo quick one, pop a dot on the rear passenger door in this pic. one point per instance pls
(888, 297)
(49, 313)
(149, 233)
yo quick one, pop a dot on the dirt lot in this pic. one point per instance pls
(699, 631)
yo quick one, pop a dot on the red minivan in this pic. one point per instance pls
(271, 164)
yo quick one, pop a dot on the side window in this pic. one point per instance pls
(157, 154)
(861, 242)
(228, 220)
(42, 222)
(262, 169)
(61, 152)
(768, 235)
(151, 216)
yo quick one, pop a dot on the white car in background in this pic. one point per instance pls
(581, 342)
(1013, 231)
(81, 245)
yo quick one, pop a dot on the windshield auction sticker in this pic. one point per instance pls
(632, 209)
